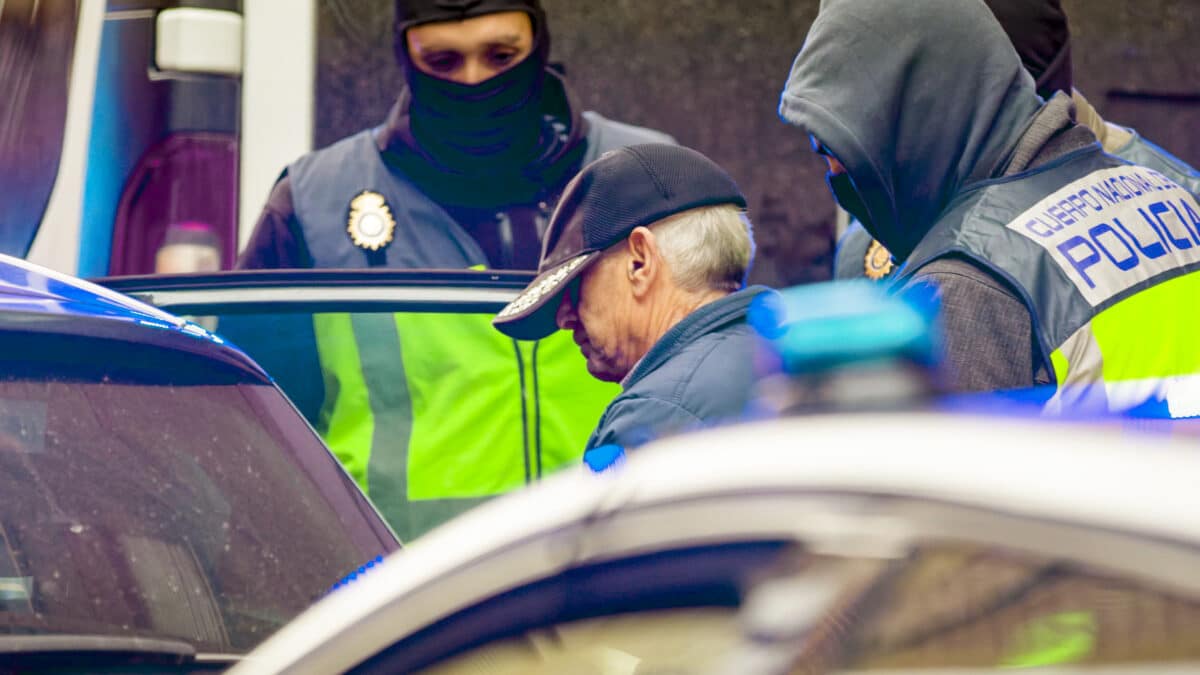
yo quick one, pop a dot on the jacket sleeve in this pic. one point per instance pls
(630, 422)
(276, 242)
(987, 330)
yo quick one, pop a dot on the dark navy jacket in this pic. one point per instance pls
(700, 373)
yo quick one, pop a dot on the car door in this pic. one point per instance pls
(430, 409)
(948, 588)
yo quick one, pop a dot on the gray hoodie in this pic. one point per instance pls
(921, 101)
(917, 99)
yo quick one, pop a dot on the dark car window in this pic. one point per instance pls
(949, 606)
(165, 497)
(687, 640)
(668, 611)
(945, 606)
(970, 606)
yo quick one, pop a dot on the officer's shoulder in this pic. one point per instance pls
(1142, 151)
(337, 151)
(611, 134)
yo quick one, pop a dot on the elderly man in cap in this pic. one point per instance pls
(645, 261)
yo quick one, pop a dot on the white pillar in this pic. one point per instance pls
(56, 244)
(278, 92)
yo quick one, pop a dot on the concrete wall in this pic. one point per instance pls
(1138, 61)
(709, 72)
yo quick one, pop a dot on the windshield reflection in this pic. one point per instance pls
(165, 510)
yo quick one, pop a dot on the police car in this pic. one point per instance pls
(897, 541)
(162, 503)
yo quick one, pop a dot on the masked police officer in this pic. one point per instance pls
(1055, 262)
(463, 174)
(1040, 33)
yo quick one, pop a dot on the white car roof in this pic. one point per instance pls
(1101, 477)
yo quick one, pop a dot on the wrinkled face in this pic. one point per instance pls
(473, 50)
(598, 309)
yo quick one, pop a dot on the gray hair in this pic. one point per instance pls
(707, 248)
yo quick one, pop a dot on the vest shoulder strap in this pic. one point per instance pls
(605, 134)
(325, 187)
(1141, 151)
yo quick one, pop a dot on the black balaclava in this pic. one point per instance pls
(1039, 32)
(490, 143)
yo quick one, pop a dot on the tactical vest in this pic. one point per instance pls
(1105, 257)
(1144, 153)
(851, 260)
(434, 413)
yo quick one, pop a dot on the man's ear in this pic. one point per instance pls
(645, 263)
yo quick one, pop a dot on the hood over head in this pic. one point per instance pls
(916, 99)
(1039, 32)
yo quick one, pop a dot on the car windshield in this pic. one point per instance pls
(180, 506)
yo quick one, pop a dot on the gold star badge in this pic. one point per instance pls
(878, 262)
(370, 225)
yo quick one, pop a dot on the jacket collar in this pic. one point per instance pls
(707, 319)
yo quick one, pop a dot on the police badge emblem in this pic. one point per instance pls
(877, 264)
(370, 225)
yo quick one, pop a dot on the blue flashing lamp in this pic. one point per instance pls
(821, 327)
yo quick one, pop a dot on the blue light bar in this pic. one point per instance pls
(819, 327)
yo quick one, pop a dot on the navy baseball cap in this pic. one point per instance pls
(624, 189)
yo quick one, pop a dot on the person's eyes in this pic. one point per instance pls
(502, 56)
(443, 62)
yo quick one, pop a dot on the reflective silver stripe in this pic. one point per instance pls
(424, 295)
(1081, 389)
(1181, 392)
